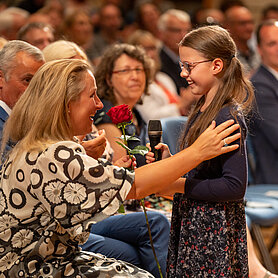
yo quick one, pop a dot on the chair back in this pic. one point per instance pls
(172, 128)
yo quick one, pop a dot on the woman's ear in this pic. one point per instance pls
(108, 80)
(217, 65)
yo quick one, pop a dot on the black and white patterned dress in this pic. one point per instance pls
(48, 201)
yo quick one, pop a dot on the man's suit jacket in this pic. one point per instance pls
(3, 118)
(264, 133)
(172, 68)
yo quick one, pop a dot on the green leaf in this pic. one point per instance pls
(121, 209)
(142, 150)
(124, 146)
(129, 138)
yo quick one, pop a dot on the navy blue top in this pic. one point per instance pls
(223, 178)
(140, 132)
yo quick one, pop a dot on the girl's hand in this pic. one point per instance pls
(126, 162)
(215, 141)
(164, 149)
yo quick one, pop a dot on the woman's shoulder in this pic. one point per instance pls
(63, 149)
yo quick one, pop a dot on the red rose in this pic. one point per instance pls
(120, 114)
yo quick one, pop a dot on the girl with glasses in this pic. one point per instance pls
(208, 233)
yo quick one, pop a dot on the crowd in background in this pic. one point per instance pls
(96, 29)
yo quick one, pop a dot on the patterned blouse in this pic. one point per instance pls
(48, 202)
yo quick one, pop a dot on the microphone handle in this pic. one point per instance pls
(154, 140)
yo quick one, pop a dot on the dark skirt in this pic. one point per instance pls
(207, 239)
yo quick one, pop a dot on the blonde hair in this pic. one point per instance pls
(62, 49)
(3, 41)
(40, 117)
(234, 90)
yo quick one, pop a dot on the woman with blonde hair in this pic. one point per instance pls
(51, 191)
(63, 49)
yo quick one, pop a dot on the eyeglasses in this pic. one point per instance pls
(128, 71)
(189, 66)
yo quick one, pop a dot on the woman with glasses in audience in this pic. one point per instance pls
(123, 76)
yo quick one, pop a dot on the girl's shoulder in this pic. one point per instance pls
(232, 112)
(229, 112)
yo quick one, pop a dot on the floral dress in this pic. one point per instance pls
(208, 231)
(48, 202)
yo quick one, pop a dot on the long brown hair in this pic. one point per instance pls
(234, 90)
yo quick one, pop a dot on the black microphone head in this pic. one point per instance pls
(154, 127)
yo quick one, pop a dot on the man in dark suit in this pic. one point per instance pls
(173, 24)
(265, 129)
(19, 61)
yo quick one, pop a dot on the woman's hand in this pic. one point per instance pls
(164, 150)
(214, 141)
(95, 147)
(125, 162)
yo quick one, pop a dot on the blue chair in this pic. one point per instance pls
(172, 128)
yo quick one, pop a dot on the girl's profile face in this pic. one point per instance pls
(198, 72)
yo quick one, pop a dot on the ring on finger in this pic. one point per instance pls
(225, 143)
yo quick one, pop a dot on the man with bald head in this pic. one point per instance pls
(240, 23)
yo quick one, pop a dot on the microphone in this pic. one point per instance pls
(155, 132)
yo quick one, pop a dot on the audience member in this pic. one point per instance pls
(19, 61)
(11, 20)
(270, 12)
(38, 17)
(123, 237)
(123, 77)
(62, 49)
(240, 23)
(208, 16)
(162, 100)
(110, 23)
(173, 24)
(47, 155)
(78, 28)
(36, 33)
(55, 10)
(265, 81)
(147, 16)
(58, 87)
